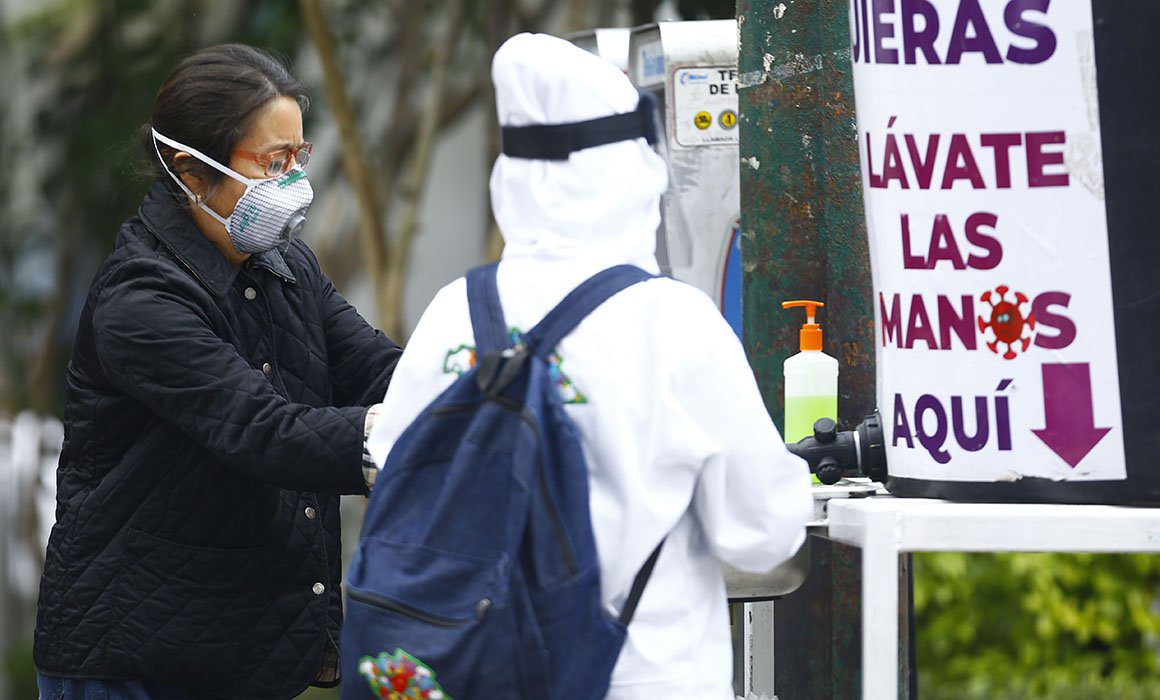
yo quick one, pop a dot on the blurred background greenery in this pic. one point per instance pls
(997, 626)
(407, 82)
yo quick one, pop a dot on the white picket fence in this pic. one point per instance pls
(29, 449)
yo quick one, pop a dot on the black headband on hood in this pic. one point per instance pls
(558, 141)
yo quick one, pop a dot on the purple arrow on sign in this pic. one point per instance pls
(1069, 429)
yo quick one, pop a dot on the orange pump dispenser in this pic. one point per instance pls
(811, 334)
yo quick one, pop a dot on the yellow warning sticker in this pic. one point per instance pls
(728, 119)
(703, 120)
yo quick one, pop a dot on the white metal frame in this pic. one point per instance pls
(885, 527)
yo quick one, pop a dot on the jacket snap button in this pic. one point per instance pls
(266, 367)
(251, 293)
(482, 607)
(310, 513)
(318, 589)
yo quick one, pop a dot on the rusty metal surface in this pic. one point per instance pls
(804, 237)
(802, 219)
(818, 629)
(817, 634)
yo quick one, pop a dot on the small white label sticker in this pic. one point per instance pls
(705, 106)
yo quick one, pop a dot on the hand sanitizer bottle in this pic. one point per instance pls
(811, 379)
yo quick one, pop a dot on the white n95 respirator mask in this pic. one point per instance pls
(269, 215)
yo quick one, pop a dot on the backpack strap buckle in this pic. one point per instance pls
(495, 371)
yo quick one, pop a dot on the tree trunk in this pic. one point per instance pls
(411, 197)
(578, 15)
(358, 171)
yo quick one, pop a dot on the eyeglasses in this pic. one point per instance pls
(278, 162)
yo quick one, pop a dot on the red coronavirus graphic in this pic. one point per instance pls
(1007, 322)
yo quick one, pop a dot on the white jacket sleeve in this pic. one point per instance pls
(752, 496)
(419, 377)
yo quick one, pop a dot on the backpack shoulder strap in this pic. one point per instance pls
(639, 583)
(581, 301)
(492, 334)
(487, 321)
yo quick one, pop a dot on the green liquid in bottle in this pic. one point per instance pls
(802, 411)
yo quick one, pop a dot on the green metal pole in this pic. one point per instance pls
(803, 225)
(804, 237)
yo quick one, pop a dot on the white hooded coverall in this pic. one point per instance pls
(677, 439)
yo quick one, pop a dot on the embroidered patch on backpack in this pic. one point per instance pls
(400, 676)
(461, 359)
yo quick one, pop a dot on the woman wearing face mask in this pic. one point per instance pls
(217, 407)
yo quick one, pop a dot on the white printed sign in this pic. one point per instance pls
(978, 125)
(705, 106)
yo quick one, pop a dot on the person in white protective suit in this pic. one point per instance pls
(676, 436)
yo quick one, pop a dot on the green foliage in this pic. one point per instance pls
(20, 672)
(1038, 625)
(83, 75)
(1016, 689)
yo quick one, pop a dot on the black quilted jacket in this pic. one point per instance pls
(214, 414)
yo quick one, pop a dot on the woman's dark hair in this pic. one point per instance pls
(209, 102)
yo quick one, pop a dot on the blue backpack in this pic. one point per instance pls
(476, 575)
